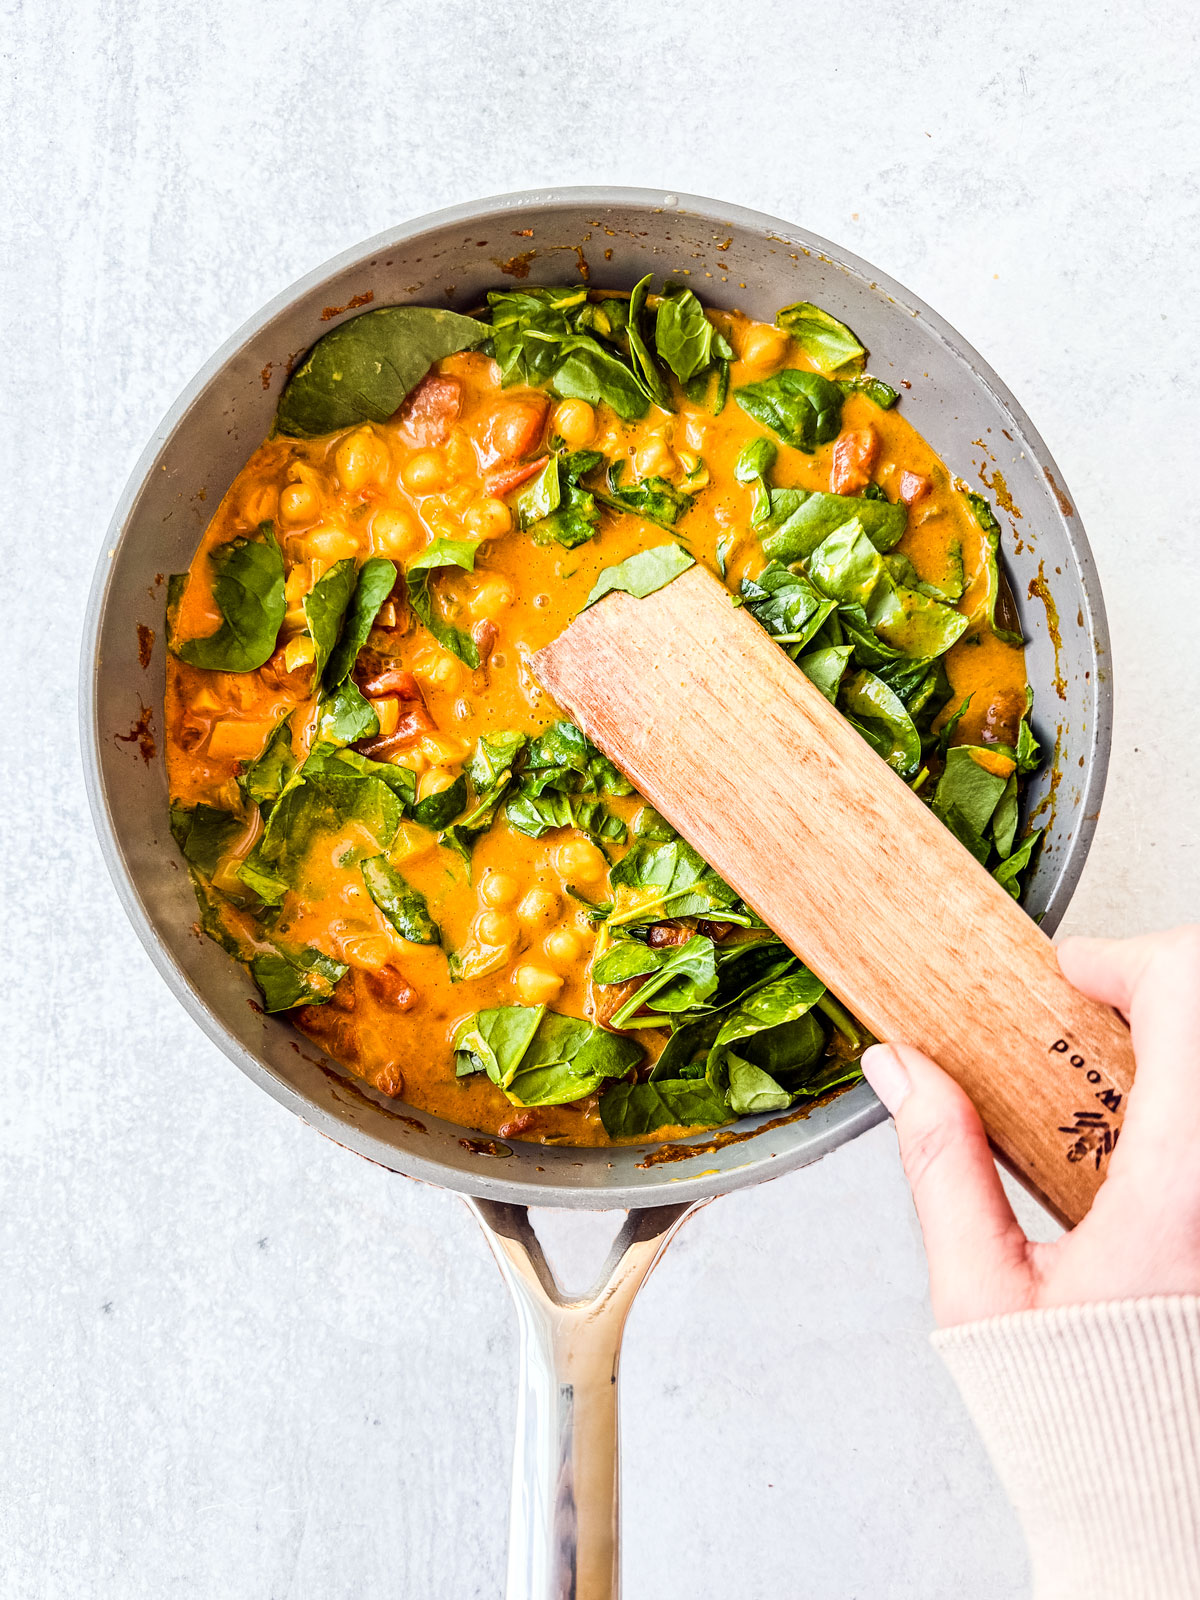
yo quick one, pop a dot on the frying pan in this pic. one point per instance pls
(564, 1529)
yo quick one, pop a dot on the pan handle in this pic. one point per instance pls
(564, 1539)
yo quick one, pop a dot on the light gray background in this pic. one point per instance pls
(237, 1361)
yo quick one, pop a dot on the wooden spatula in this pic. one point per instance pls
(747, 759)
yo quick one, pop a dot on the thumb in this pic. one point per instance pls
(978, 1261)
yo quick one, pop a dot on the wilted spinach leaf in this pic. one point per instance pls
(968, 794)
(540, 1058)
(644, 366)
(325, 607)
(439, 810)
(264, 779)
(826, 667)
(875, 389)
(1008, 873)
(363, 370)
(986, 518)
(756, 460)
(654, 498)
(803, 408)
(787, 606)
(847, 568)
(678, 977)
(683, 335)
(417, 577)
(376, 580)
(204, 834)
(404, 907)
(632, 1110)
(643, 573)
(491, 773)
(813, 517)
(871, 707)
(828, 343)
(290, 978)
(346, 716)
(248, 589)
(653, 882)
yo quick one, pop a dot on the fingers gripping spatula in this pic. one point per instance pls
(721, 732)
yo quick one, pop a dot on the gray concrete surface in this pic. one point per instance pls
(236, 1361)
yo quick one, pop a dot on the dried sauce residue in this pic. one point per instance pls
(141, 734)
(265, 375)
(1064, 505)
(145, 645)
(354, 302)
(999, 488)
(485, 1147)
(1039, 589)
(683, 1152)
(516, 266)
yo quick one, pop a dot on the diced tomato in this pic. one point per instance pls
(378, 679)
(661, 934)
(485, 633)
(522, 1122)
(914, 486)
(510, 478)
(297, 684)
(854, 458)
(515, 428)
(391, 988)
(430, 409)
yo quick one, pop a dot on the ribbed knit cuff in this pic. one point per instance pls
(1091, 1415)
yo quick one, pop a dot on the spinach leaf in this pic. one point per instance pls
(364, 369)
(439, 810)
(565, 750)
(586, 371)
(826, 668)
(643, 573)
(248, 589)
(418, 575)
(632, 1110)
(539, 497)
(327, 793)
(653, 882)
(325, 607)
(828, 343)
(290, 978)
(751, 1090)
(491, 773)
(1008, 873)
(404, 907)
(986, 518)
(528, 325)
(266, 777)
(871, 707)
(1004, 818)
(204, 834)
(903, 571)
(847, 568)
(540, 1058)
(536, 813)
(946, 733)
(1029, 751)
(574, 520)
(376, 580)
(875, 389)
(756, 460)
(968, 794)
(346, 716)
(654, 498)
(803, 408)
(683, 335)
(786, 605)
(814, 517)
(651, 824)
(644, 365)
(678, 977)
(782, 1001)
(326, 760)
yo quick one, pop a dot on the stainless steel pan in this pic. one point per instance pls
(564, 1508)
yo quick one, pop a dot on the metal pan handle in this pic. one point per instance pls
(564, 1527)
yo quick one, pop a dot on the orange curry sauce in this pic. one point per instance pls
(444, 467)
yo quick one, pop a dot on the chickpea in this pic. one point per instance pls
(459, 498)
(575, 423)
(763, 346)
(396, 532)
(654, 460)
(434, 781)
(562, 946)
(579, 861)
(491, 597)
(496, 927)
(424, 473)
(499, 889)
(444, 672)
(539, 908)
(536, 986)
(488, 519)
(359, 460)
(298, 503)
(331, 543)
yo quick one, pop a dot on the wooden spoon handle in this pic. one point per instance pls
(746, 758)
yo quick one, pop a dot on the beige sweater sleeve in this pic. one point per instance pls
(1091, 1415)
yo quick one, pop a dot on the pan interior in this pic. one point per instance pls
(733, 258)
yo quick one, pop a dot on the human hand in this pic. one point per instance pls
(1142, 1235)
